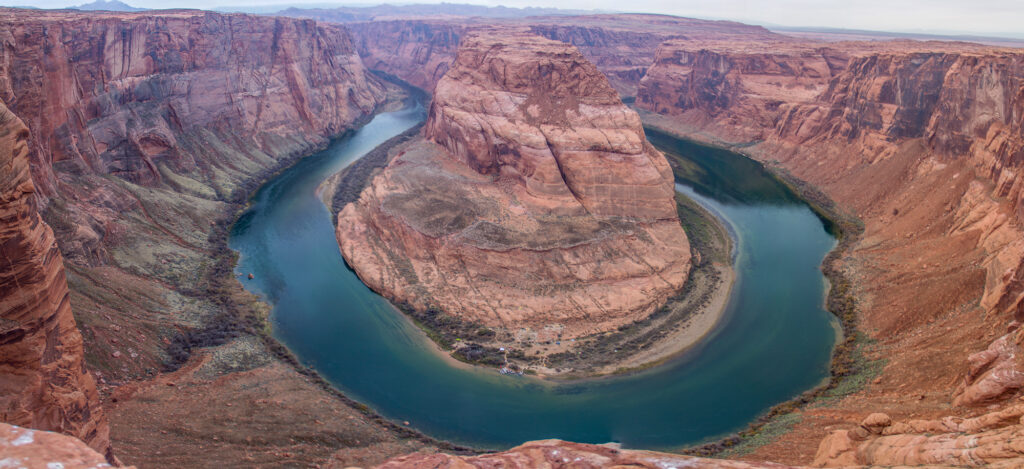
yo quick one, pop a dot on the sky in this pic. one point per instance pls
(979, 17)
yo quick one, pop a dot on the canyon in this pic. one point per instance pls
(535, 207)
(135, 137)
(143, 134)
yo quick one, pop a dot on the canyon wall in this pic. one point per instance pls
(145, 131)
(922, 142)
(417, 51)
(43, 382)
(535, 206)
(420, 51)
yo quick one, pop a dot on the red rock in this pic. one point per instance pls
(23, 447)
(563, 454)
(43, 382)
(522, 212)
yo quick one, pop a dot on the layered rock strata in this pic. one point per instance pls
(622, 47)
(922, 142)
(43, 382)
(146, 129)
(535, 205)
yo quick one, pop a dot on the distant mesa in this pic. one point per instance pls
(107, 5)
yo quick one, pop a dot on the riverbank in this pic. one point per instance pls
(243, 375)
(682, 322)
(849, 368)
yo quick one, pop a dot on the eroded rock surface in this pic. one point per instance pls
(621, 46)
(535, 205)
(918, 140)
(559, 454)
(43, 382)
(34, 449)
(145, 130)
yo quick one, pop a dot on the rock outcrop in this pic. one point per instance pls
(43, 382)
(564, 454)
(990, 440)
(535, 206)
(33, 449)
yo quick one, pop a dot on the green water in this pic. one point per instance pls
(773, 343)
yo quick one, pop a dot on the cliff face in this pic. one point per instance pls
(144, 130)
(621, 46)
(43, 382)
(115, 94)
(540, 182)
(417, 51)
(741, 90)
(922, 142)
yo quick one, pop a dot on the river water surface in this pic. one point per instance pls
(773, 342)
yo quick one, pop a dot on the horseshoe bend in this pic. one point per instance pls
(533, 205)
(445, 235)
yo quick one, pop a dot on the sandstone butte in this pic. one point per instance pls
(921, 141)
(535, 205)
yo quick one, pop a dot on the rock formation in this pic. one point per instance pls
(563, 454)
(922, 142)
(420, 51)
(143, 128)
(747, 85)
(535, 180)
(990, 440)
(182, 95)
(43, 382)
(32, 449)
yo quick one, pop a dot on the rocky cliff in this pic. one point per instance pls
(740, 89)
(43, 382)
(922, 142)
(146, 131)
(535, 205)
(420, 51)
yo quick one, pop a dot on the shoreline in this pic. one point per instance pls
(847, 363)
(680, 324)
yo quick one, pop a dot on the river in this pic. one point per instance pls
(773, 343)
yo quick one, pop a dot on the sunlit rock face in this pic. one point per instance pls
(533, 204)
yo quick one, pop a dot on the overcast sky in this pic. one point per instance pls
(986, 17)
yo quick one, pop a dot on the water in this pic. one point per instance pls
(773, 343)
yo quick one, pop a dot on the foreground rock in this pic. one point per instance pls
(43, 382)
(536, 206)
(993, 440)
(33, 449)
(559, 454)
